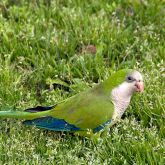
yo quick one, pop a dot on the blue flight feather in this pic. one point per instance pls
(52, 124)
(59, 124)
(100, 127)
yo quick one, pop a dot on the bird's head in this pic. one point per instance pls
(129, 81)
(134, 81)
(125, 81)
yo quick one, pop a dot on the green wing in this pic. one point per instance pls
(88, 109)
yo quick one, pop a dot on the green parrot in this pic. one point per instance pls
(89, 112)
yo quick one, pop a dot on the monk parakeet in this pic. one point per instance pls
(88, 112)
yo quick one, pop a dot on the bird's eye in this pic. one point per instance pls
(130, 79)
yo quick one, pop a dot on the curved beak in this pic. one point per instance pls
(139, 86)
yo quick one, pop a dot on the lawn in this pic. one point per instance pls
(51, 50)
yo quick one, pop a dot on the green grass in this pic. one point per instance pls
(44, 59)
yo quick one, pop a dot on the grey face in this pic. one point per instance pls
(135, 80)
(135, 76)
